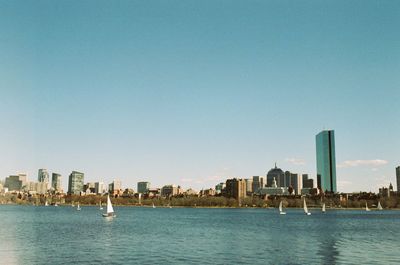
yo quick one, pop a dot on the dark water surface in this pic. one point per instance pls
(60, 235)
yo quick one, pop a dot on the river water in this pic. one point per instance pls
(60, 235)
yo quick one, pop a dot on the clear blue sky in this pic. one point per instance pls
(193, 92)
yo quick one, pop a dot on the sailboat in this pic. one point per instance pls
(154, 205)
(305, 208)
(101, 207)
(55, 205)
(380, 206)
(366, 207)
(323, 208)
(78, 208)
(110, 210)
(46, 203)
(280, 208)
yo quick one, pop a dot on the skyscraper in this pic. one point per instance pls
(398, 178)
(56, 182)
(326, 162)
(43, 176)
(75, 182)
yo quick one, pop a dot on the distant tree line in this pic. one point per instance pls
(330, 200)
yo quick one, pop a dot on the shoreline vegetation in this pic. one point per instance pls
(332, 201)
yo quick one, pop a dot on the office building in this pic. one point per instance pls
(296, 182)
(258, 182)
(326, 161)
(89, 188)
(15, 182)
(277, 174)
(143, 186)
(171, 190)
(307, 183)
(273, 189)
(56, 182)
(398, 178)
(235, 188)
(75, 182)
(43, 176)
(249, 186)
(207, 192)
(219, 187)
(115, 187)
(99, 187)
(36, 187)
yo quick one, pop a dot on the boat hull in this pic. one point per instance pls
(108, 215)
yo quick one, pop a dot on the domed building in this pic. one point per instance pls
(277, 174)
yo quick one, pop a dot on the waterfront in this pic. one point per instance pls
(57, 235)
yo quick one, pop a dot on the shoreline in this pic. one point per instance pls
(199, 207)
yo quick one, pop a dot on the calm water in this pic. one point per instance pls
(57, 235)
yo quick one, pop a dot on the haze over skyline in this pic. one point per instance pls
(191, 93)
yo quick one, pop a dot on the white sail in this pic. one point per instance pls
(78, 207)
(366, 207)
(101, 207)
(46, 203)
(305, 208)
(323, 208)
(109, 205)
(281, 208)
(380, 206)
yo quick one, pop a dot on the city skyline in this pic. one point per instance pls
(193, 93)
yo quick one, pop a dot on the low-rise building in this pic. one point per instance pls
(190, 192)
(309, 191)
(89, 188)
(154, 192)
(171, 190)
(207, 192)
(273, 190)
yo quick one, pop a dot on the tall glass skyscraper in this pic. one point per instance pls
(326, 162)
